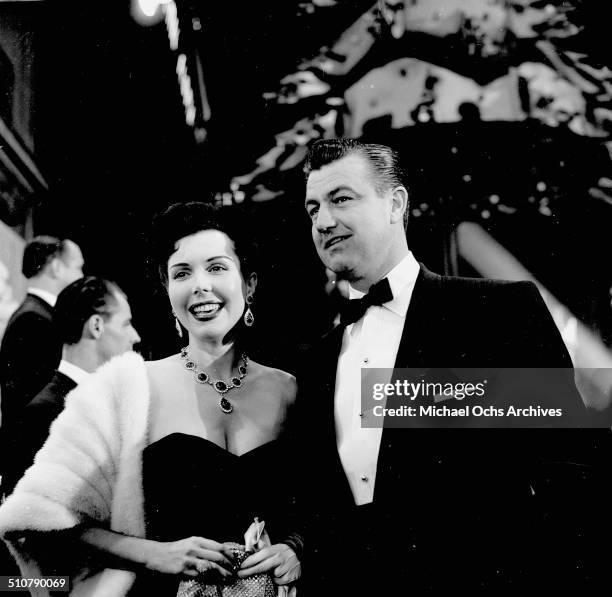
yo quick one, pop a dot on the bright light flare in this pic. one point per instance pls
(148, 7)
(147, 10)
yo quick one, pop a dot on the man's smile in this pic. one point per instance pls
(334, 241)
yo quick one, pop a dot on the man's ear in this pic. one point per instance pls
(55, 266)
(399, 204)
(94, 326)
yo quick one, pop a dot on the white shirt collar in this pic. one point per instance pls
(72, 371)
(401, 279)
(45, 295)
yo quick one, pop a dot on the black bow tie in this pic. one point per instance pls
(351, 311)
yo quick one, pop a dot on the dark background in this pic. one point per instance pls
(110, 137)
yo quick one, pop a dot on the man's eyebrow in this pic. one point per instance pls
(340, 189)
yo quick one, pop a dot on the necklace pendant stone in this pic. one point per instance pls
(225, 405)
(221, 387)
(202, 377)
(236, 382)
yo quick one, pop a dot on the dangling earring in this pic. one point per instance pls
(249, 318)
(177, 325)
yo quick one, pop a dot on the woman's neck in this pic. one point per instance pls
(217, 359)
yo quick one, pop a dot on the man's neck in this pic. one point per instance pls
(82, 356)
(363, 284)
(43, 283)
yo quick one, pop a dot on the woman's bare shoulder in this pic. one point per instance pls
(163, 369)
(163, 364)
(285, 382)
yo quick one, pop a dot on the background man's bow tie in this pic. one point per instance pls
(351, 311)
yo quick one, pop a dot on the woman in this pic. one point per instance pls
(194, 444)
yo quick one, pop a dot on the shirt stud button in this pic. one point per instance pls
(364, 478)
(361, 415)
(366, 360)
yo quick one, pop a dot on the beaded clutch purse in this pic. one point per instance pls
(258, 585)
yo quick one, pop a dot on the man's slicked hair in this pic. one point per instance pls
(79, 301)
(384, 161)
(39, 252)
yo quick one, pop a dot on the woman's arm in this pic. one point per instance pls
(189, 556)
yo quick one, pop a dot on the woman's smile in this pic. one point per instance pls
(204, 311)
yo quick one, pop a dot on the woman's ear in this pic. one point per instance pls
(95, 326)
(251, 284)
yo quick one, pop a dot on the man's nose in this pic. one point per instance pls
(325, 219)
(135, 337)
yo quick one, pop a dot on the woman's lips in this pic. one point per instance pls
(205, 311)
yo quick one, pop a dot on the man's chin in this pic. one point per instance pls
(343, 271)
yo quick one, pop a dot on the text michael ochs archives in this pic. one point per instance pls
(456, 397)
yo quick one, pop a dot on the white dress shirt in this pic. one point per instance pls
(45, 295)
(75, 373)
(372, 341)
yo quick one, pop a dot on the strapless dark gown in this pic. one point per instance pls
(193, 487)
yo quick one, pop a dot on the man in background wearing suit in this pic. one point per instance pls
(94, 323)
(418, 511)
(31, 349)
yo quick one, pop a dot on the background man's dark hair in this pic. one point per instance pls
(383, 161)
(79, 301)
(40, 251)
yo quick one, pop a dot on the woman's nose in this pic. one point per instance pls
(201, 283)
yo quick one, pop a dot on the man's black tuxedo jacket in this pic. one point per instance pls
(453, 508)
(30, 352)
(32, 430)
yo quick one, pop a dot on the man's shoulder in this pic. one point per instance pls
(479, 285)
(480, 293)
(51, 397)
(34, 304)
(31, 311)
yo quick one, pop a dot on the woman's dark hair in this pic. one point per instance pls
(184, 219)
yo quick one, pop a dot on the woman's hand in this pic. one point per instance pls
(192, 557)
(279, 557)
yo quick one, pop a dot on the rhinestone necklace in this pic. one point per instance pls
(220, 386)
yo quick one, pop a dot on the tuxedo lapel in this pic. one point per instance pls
(418, 335)
(419, 332)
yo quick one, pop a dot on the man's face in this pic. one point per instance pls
(351, 221)
(118, 335)
(70, 264)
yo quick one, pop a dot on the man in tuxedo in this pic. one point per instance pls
(31, 349)
(94, 323)
(428, 511)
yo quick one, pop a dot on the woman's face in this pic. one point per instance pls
(206, 288)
